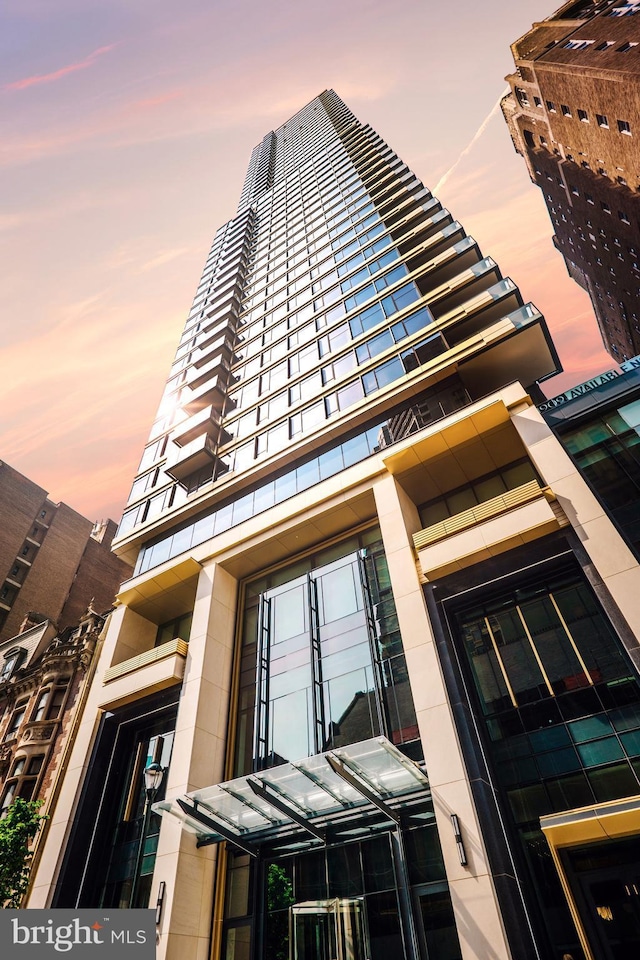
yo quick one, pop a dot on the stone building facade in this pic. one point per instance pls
(574, 115)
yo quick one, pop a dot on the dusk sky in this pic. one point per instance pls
(127, 129)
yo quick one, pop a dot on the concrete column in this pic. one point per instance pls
(197, 761)
(478, 918)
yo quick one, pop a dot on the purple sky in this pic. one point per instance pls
(128, 125)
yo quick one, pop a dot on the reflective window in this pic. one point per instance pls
(322, 645)
(561, 707)
(606, 450)
(429, 407)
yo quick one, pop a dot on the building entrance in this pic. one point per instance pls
(328, 930)
(606, 879)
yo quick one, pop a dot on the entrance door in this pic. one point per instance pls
(328, 930)
(608, 879)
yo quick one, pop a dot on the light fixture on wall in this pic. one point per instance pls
(462, 853)
(160, 902)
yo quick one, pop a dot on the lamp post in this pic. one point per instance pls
(153, 775)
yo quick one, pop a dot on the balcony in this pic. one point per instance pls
(216, 367)
(456, 295)
(490, 528)
(144, 674)
(193, 456)
(446, 264)
(211, 393)
(218, 346)
(205, 421)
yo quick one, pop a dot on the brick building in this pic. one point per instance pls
(574, 115)
(41, 680)
(52, 559)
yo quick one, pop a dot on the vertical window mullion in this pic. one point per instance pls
(317, 692)
(261, 721)
(503, 669)
(535, 651)
(571, 640)
(380, 700)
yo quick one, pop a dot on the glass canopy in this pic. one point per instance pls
(360, 785)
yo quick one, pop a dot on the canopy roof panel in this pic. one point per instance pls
(344, 785)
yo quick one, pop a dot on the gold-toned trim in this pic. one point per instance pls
(610, 820)
(483, 511)
(135, 780)
(535, 651)
(503, 669)
(165, 650)
(571, 640)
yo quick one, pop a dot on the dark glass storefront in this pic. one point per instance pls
(559, 704)
(605, 879)
(606, 449)
(341, 901)
(111, 853)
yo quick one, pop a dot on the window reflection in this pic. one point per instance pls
(322, 662)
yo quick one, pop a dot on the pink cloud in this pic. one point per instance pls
(58, 74)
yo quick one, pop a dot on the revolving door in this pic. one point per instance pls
(328, 930)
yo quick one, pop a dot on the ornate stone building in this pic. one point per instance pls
(574, 115)
(42, 681)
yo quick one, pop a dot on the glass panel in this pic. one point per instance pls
(600, 751)
(559, 659)
(339, 594)
(384, 926)
(598, 647)
(288, 611)
(276, 936)
(291, 740)
(589, 728)
(439, 926)
(378, 865)
(310, 877)
(401, 714)
(490, 488)
(558, 762)
(631, 743)
(345, 870)
(424, 855)
(238, 887)
(517, 656)
(612, 783)
(570, 792)
(384, 767)
(487, 674)
(238, 946)
(626, 718)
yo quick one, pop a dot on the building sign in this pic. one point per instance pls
(578, 391)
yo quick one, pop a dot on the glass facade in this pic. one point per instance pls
(560, 704)
(431, 406)
(132, 853)
(340, 279)
(321, 644)
(606, 449)
(297, 902)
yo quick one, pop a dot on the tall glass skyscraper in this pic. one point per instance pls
(379, 629)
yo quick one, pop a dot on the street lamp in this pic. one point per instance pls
(153, 775)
